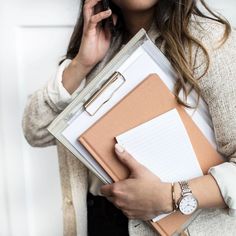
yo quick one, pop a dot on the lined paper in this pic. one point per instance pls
(163, 146)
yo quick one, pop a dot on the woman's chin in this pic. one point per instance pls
(135, 5)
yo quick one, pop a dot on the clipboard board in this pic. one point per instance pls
(125, 62)
(117, 74)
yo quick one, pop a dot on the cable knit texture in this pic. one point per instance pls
(218, 89)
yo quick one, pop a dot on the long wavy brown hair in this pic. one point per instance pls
(172, 19)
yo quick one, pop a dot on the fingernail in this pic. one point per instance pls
(119, 148)
(108, 11)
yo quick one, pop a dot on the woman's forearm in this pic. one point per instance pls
(206, 190)
(73, 75)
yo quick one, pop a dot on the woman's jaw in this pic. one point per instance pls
(135, 5)
(137, 14)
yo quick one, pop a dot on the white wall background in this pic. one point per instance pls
(34, 35)
(227, 8)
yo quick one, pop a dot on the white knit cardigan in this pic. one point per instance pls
(218, 88)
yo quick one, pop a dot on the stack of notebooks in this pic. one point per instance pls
(158, 132)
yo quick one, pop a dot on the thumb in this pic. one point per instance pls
(126, 158)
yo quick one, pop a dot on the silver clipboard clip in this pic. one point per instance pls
(104, 94)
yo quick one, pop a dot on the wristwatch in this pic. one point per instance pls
(187, 204)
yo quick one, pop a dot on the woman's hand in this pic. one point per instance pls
(94, 45)
(95, 40)
(143, 195)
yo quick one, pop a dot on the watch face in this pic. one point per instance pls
(188, 204)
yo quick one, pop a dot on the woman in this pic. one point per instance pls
(202, 50)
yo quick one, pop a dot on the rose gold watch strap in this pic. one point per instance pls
(184, 188)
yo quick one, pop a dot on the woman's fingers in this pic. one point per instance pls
(92, 20)
(89, 8)
(98, 18)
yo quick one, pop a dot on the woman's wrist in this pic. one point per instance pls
(80, 66)
(177, 192)
(167, 198)
(73, 75)
(206, 191)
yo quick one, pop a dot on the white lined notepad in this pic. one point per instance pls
(163, 146)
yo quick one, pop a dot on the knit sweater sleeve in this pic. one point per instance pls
(39, 112)
(218, 89)
(43, 106)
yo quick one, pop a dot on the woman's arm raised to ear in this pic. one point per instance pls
(45, 104)
(94, 45)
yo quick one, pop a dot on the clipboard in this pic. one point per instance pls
(125, 61)
(117, 74)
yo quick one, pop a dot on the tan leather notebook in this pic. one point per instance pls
(146, 101)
